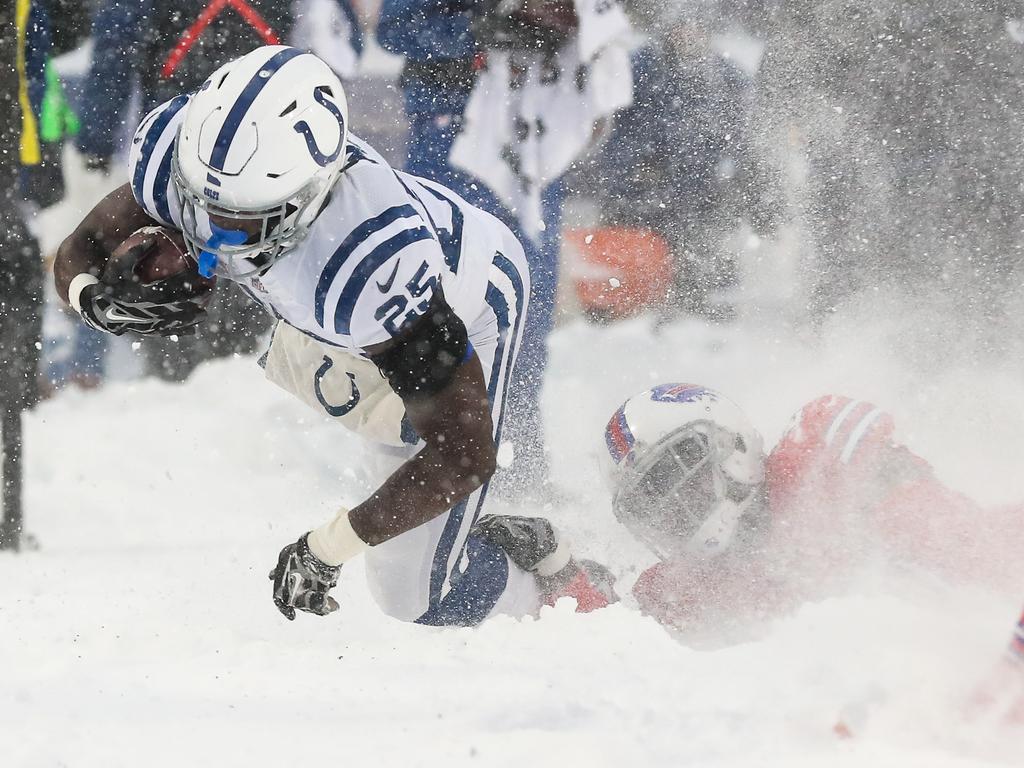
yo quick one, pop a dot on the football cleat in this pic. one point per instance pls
(534, 545)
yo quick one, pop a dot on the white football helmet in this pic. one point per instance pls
(261, 145)
(685, 466)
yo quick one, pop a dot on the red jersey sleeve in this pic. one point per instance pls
(709, 594)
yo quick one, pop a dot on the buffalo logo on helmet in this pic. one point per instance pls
(680, 393)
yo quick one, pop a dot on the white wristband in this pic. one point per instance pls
(554, 562)
(78, 284)
(336, 541)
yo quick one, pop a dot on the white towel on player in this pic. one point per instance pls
(529, 118)
(326, 29)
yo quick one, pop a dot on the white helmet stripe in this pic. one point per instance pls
(838, 422)
(858, 433)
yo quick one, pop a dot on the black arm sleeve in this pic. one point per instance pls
(422, 361)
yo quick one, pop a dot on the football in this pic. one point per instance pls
(164, 257)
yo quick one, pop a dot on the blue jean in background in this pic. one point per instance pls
(435, 116)
(78, 357)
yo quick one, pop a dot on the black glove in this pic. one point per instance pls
(105, 311)
(122, 302)
(302, 581)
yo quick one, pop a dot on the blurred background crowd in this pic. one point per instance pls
(643, 150)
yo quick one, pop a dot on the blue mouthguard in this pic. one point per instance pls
(221, 236)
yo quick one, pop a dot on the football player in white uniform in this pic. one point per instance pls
(400, 311)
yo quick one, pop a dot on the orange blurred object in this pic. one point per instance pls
(618, 271)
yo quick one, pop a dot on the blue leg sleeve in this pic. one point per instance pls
(476, 591)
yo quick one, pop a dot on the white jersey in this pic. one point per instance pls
(383, 244)
(372, 260)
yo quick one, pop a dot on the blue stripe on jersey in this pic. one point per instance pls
(361, 275)
(163, 178)
(353, 155)
(243, 102)
(451, 242)
(349, 244)
(496, 299)
(512, 273)
(153, 134)
(414, 196)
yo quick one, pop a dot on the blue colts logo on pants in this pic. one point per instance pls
(334, 410)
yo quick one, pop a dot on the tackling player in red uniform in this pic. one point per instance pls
(742, 536)
(745, 535)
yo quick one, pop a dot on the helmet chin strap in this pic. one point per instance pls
(716, 532)
(220, 236)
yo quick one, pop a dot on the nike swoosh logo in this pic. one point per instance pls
(385, 287)
(113, 314)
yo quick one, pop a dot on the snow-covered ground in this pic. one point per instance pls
(142, 633)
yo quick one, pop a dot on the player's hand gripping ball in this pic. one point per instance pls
(150, 286)
(302, 581)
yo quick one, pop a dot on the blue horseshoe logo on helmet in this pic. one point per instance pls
(334, 410)
(307, 133)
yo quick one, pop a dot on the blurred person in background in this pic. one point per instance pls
(895, 132)
(501, 99)
(20, 262)
(441, 60)
(167, 47)
(53, 27)
(677, 161)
